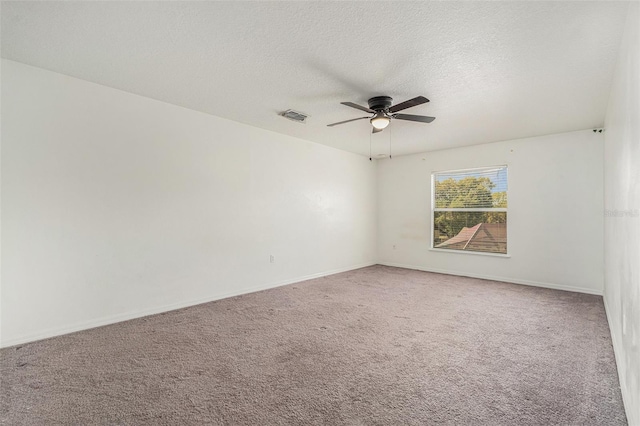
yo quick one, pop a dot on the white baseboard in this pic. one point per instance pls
(112, 319)
(617, 349)
(496, 278)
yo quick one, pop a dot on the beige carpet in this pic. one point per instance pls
(375, 346)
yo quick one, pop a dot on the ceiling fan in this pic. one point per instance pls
(383, 111)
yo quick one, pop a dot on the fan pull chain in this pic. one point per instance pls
(389, 143)
(370, 147)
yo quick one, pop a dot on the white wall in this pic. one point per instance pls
(554, 220)
(116, 206)
(622, 215)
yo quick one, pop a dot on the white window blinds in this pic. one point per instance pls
(469, 210)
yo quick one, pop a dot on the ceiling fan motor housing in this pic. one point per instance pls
(380, 103)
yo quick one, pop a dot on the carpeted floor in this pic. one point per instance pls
(374, 346)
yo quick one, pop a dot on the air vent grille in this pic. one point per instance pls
(296, 116)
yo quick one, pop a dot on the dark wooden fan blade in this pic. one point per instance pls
(408, 104)
(376, 130)
(409, 117)
(356, 106)
(346, 121)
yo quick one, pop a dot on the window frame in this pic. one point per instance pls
(493, 209)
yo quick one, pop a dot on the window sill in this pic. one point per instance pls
(477, 253)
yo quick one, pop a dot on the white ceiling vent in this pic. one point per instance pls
(296, 116)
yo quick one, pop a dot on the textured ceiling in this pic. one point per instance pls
(492, 70)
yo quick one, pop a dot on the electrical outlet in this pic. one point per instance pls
(272, 259)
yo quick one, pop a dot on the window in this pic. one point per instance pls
(469, 210)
